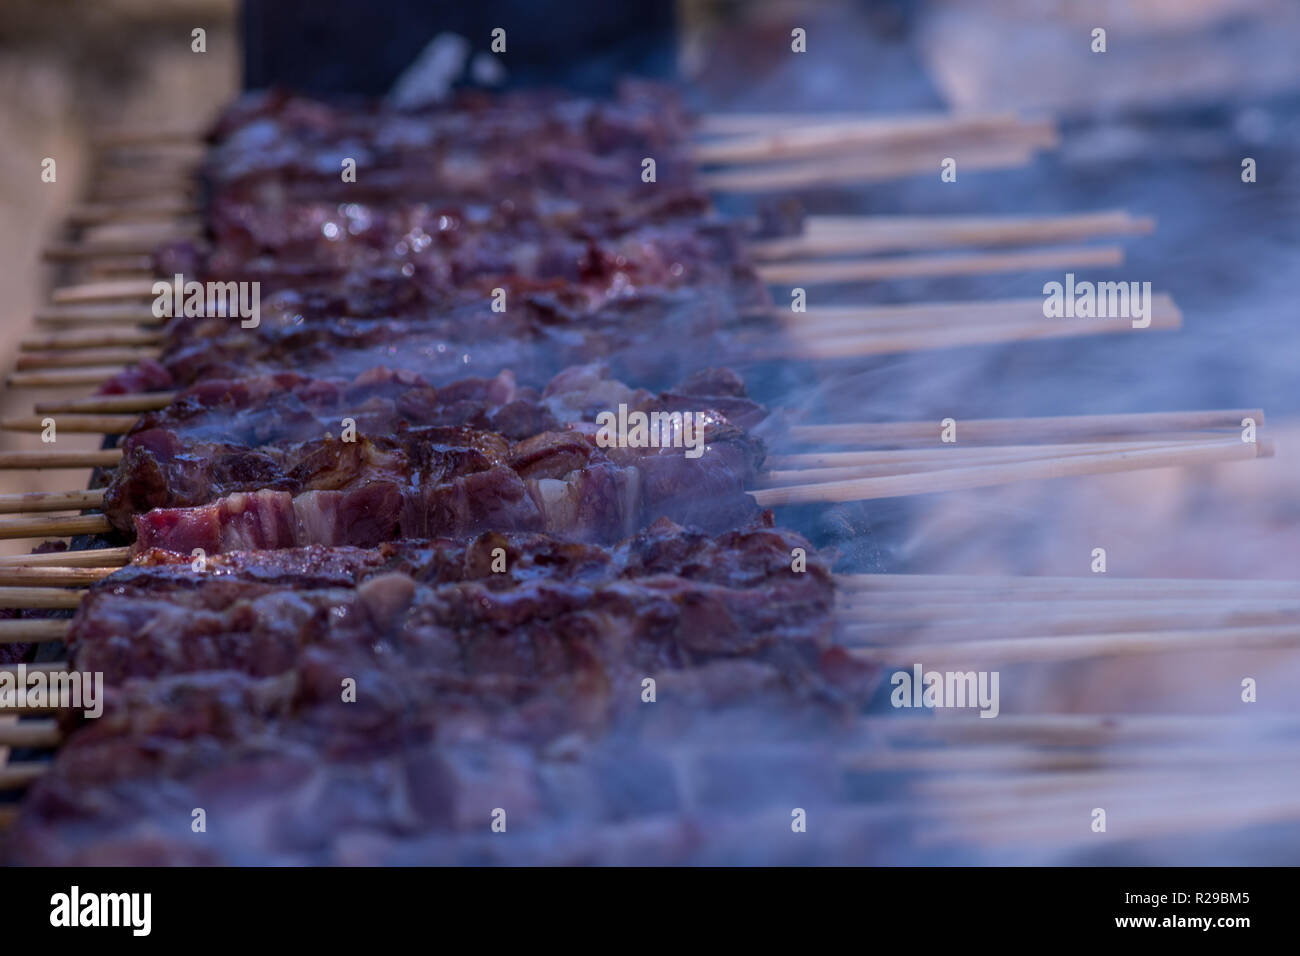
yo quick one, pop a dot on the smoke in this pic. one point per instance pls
(1225, 250)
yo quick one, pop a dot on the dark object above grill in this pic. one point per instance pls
(344, 47)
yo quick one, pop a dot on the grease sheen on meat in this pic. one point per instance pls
(256, 464)
(475, 688)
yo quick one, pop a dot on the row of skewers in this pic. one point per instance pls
(237, 454)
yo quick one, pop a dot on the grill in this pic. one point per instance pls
(875, 774)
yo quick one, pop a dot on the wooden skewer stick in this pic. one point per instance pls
(777, 478)
(809, 129)
(752, 123)
(814, 272)
(41, 733)
(63, 378)
(748, 123)
(820, 319)
(822, 236)
(95, 315)
(171, 157)
(1015, 430)
(19, 776)
(29, 361)
(878, 627)
(96, 213)
(806, 141)
(83, 249)
(146, 137)
(118, 267)
(713, 123)
(775, 263)
(119, 189)
(1001, 593)
(1053, 587)
(1152, 805)
(139, 238)
(94, 339)
(118, 181)
(44, 667)
(813, 343)
(904, 601)
(980, 476)
(829, 320)
(41, 459)
(108, 404)
(113, 290)
(1052, 795)
(88, 558)
(949, 454)
(32, 631)
(50, 501)
(847, 344)
(52, 577)
(75, 424)
(913, 340)
(985, 760)
(126, 184)
(1080, 646)
(973, 797)
(129, 239)
(178, 164)
(841, 345)
(1147, 807)
(43, 598)
(902, 606)
(1039, 226)
(1217, 814)
(875, 235)
(1067, 730)
(43, 526)
(858, 170)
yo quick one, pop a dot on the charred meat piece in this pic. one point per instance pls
(422, 461)
(655, 335)
(286, 783)
(274, 147)
(477, 685)
(529, 606)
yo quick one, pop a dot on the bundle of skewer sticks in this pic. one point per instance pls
(1018, 783)
(739, 152)
(89, 355)
(814, 257)
(774, 154)
(964, 768)
(96, 342)
(106, 323)
(1017, 786)
(894, 618)
(996, 451)
(147, 186)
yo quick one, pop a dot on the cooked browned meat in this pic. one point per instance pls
(475, 688)
(268, 458)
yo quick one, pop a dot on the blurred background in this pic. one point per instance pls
(67, 69)
(1158, 124)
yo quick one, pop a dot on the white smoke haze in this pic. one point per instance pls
(1220, 792)
(1225, 250)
